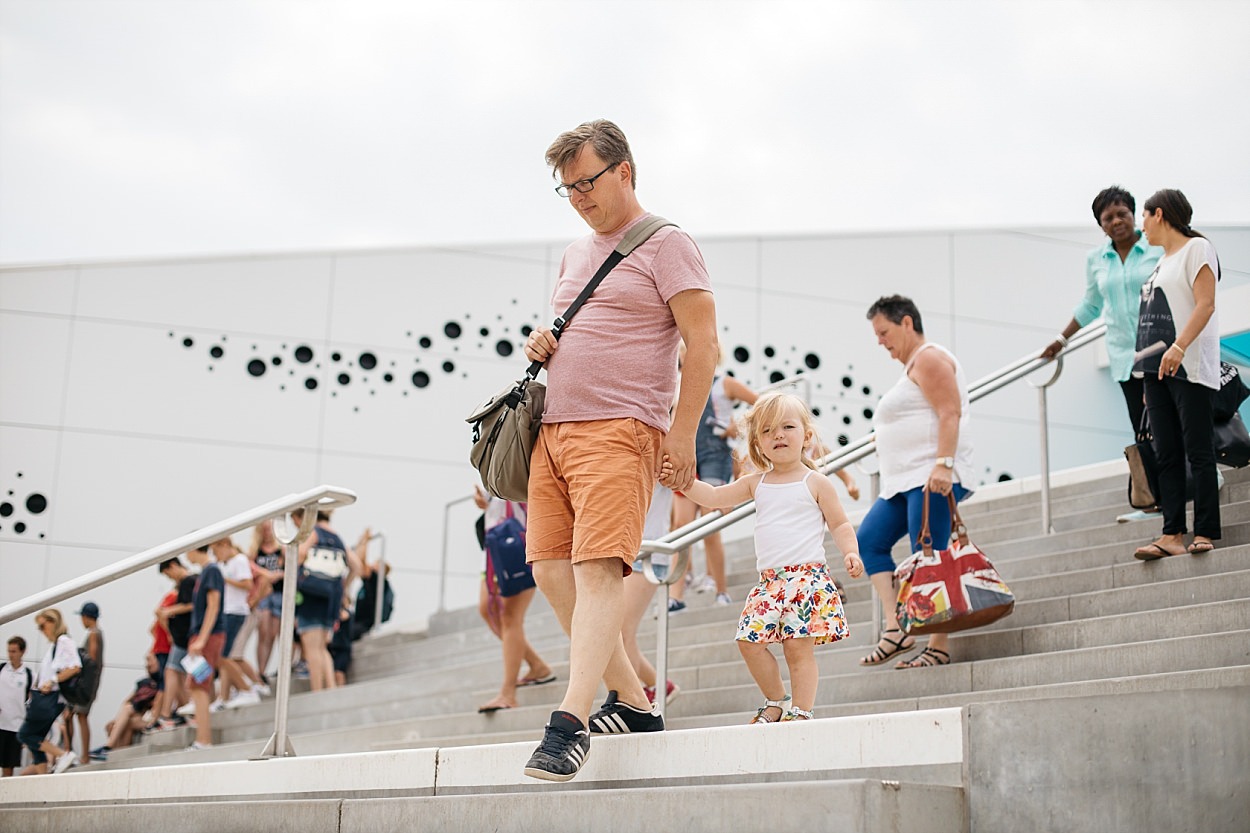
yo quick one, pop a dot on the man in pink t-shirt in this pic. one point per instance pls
(606, 427)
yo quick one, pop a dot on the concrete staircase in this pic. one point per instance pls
(1116, 696)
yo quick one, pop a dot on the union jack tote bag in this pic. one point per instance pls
(940, 591)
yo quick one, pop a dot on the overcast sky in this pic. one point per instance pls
(176, 127)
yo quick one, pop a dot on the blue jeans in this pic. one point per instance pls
(890, 519)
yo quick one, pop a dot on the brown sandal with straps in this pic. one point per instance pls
(927, 658)
(880, 655)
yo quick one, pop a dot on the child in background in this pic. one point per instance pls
(795, 602)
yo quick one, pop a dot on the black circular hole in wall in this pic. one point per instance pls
(188, 341)
(310, 383)
(425, 342)
(776, 376)
(303, 354)
(367, 361)
(868, 413)
(769, 351)
(843, 439)
(256, 367)
(387, 377)
(451, 329)
(484, 332)
(420, 379)
(336, 357)
(344, 379)
(742, 354)
(847, 381)
(449, 367)
(503, 347)
(36, 504)
(276, 361)
(216, 352)
(812, 360)
(526, 329)
(6, 509)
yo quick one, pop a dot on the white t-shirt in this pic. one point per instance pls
(1167, 303)
(61, 655)
(238, 568)
(13, 696)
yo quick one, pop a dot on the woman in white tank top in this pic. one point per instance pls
(922, 440)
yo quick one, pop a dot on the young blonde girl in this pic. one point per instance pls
(795, 602)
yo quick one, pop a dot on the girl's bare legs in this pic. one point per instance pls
(766, 673)
(320, 666)
(487, 608)
(638, 595)
(269, 627)
(515, 647)
(714, 553)
(804, 674)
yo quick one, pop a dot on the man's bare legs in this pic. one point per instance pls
(588, 599)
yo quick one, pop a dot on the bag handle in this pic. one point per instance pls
(639, 234)
(958, 529)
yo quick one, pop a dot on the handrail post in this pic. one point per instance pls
(279, 745)
(380, 569)
(676, 569)
(874, 492)
(1043, 425)
(442, 568)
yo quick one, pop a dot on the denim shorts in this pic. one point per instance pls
(174, 661)
(315, 614)
(272, 603)
(234, 621)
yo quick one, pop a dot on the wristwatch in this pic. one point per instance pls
(949, 462)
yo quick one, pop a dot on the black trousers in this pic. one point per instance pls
(1180, 419)
(1132, 390)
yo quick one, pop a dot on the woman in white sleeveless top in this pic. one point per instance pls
(921, 436)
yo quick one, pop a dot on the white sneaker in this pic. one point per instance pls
(65, 761)
(262, 689)
(1138, 515)
(724, 599)
(196, 746)
(187, 710)
(243, 698)
(705, 584)
(216, 706)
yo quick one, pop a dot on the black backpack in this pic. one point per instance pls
(79, 690)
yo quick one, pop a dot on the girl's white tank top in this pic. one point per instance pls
(789, 526)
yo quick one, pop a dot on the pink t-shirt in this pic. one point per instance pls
(618, 356)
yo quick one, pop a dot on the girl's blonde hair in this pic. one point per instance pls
(58, 623)
(768, 410)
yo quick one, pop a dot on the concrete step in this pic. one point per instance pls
(853, 806)
(397, 697)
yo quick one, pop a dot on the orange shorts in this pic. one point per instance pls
(590, 486)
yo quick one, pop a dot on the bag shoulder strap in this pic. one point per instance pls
(639, 234)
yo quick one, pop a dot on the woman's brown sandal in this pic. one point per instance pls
(927, 658)
(879, 655)
(761, 714)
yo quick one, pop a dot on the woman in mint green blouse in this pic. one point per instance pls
(1114, 274)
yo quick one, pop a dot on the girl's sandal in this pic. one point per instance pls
(761, 715)
(796, 714)
(927, 658)
(879, 655)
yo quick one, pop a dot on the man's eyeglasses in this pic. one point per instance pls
(583, 186)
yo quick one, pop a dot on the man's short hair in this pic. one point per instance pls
(605, 139)
(1110, 196)
(894, 307)
(19, 642)
(167, 563)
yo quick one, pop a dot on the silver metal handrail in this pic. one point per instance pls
(442, 568)
(701, 527)
(321, 498)
(797, 380)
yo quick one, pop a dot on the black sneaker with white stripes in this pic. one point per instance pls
(616, 718)
(564, 748)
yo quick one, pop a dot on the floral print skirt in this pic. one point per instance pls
(794, 603)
